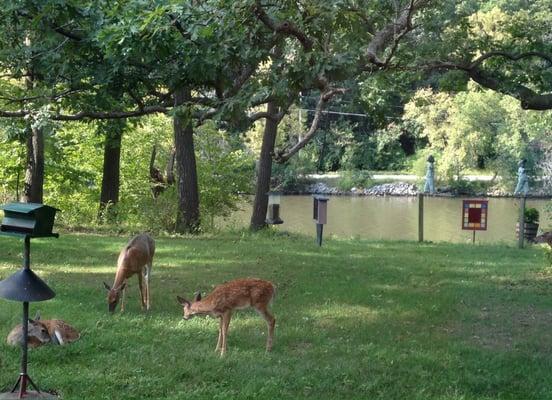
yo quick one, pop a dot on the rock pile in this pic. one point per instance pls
(322, 188)
(390, 189)
(404, 189)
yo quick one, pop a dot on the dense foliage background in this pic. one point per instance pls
(467, 81)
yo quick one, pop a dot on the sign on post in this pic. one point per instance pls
(475, 215)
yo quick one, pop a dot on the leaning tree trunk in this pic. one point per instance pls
(187, 219)
(264, 170)
(109, 195)
(34, 174)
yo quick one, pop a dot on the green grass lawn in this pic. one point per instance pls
(355, 320)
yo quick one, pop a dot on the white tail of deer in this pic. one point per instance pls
(230, 296)
(135, 258)
(42, 332)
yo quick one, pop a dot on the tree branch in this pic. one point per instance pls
(514, 57)
(64, 32)
(529, 99)
(287, 27)
(281, 156)
(176, 23)
(388, 35)
(31, 98)
(86, 115)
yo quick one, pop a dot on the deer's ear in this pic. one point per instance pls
(37, 316)
(197, 296)
(107, 287)
(182, 301)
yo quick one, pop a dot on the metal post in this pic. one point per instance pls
(24, 379)
(420, 217)
(473, 237)
(23, 375)
(521, 222)
(319, 231)
(24, 345)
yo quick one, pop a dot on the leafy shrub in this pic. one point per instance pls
(225, 173)
(291, 176)
(531, 215)
(357, 179)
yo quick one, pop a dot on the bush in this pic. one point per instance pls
(357, 179)
(531, 215)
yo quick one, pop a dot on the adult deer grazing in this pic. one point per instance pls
(42, 332)
(135, 258)
(230, 296)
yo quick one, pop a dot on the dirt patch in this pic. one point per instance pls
(301, 348)
(507, 328)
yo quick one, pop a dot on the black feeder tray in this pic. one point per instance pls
(26, 221)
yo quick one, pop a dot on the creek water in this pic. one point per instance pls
(396, 218)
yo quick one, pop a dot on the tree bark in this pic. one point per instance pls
(109, 195)
(33, 189)
(188, 218)
(264, 169)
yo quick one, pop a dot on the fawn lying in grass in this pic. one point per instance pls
(42, 332)
(230, 296)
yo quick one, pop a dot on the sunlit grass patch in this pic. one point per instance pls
(354, 319)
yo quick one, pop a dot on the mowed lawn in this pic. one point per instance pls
(355, 320)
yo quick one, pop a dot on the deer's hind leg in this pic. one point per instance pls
(141, 286)
(147, 275)
(270, 322)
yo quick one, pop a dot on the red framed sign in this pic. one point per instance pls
(475, 215)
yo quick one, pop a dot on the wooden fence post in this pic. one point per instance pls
(521, 222)
(420, 217)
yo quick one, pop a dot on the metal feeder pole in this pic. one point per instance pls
(26, 220)
(23, 375)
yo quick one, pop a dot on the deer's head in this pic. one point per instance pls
(38, 332)
(187, 306)
(113, 296)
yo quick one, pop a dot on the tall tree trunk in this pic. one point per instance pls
(264, 170)
(34, 174)
(33, 189)
(187, 219)
(109, 195)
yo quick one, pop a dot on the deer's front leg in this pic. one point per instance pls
(140, 284)
(219, 340)
(123, 298)
(148, 275)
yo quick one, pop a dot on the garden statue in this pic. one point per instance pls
(430, 175)
(522, 183)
